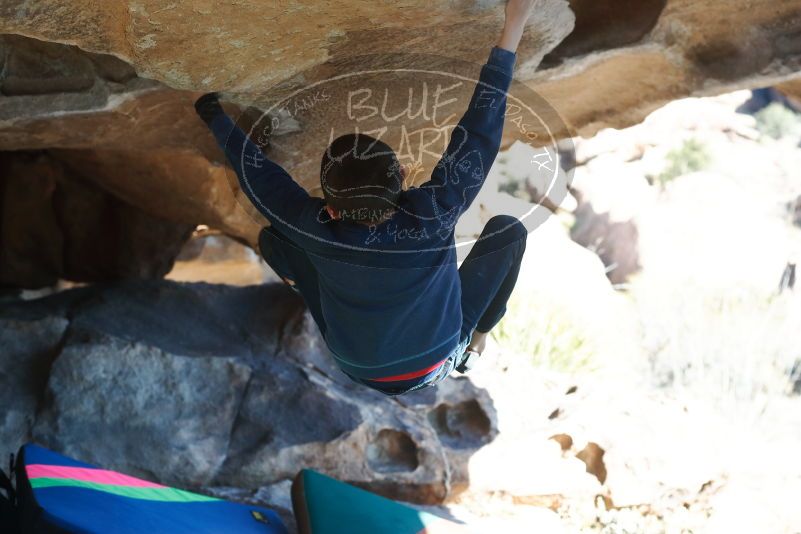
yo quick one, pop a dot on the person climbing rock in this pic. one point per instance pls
(375, 263)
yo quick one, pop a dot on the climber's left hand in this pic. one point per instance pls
(208, 106)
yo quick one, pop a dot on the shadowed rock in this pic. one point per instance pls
(27, 349)
(593, 457)
(463, 425)
(54, 224)
(606, 24)
(217, 386)
(615, 242)
(392, 451)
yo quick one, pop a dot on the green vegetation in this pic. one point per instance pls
(777, 121)
(514, 186)
(728, 346)
(547, 334)
(691, 156)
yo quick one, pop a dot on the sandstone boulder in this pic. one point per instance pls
(615, 242)
(107, 88)
(210, 256)
(638, 53)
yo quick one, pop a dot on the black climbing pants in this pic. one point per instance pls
(489, 273)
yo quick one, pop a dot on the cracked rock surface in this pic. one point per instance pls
(202, 386)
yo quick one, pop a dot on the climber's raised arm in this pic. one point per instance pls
(268, 186)
(517, 14)
(476, 139)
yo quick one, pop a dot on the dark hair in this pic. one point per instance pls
(360, 177)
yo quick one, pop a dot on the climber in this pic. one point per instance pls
(376, 264)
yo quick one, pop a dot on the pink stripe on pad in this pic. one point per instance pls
(87, 474)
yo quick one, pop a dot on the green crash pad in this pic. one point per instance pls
(324, 505)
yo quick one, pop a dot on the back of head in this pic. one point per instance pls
(361, 177)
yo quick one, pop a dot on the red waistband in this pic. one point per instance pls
(409, 376)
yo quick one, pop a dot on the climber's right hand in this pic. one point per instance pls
(518, 11)
(208, 106)
(517, 14)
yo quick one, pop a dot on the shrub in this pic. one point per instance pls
(514, 185)
(547, 334)
(776, 121)
(691, 156)
(734, 347)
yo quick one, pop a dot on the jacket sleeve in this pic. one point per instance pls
(266, 184)
(475, 141)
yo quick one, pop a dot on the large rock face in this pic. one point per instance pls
(56, 224)
(155, 406)
(107, 87)
(655, 49)
(212, 386)
(245, 47)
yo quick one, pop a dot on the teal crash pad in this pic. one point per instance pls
(324, 505)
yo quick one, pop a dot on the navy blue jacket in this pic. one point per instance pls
(390, 294)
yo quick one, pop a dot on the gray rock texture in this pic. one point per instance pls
(140, 410)
(223, 389)
(27, 349)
